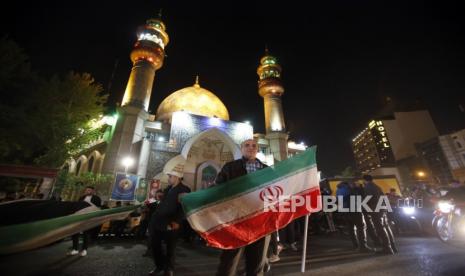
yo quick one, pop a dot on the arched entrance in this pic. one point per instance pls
(206, 174)
(205, 155)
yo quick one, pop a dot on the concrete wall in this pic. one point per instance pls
(407, 129)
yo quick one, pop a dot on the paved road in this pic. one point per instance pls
(327, 256)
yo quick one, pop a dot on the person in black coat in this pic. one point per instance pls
(356, 220)
(89, 197)
(255, 252)
(166, 221)
(379, 218)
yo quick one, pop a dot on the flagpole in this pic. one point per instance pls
(304, 251)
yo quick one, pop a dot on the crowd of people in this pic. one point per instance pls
(163, 223)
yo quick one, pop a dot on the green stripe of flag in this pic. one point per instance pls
(194, 201)
(17, 233)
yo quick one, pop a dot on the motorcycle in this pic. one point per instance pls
(449, 219)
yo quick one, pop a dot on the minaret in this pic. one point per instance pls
(270, 87)
(147, 57)
(127, 141)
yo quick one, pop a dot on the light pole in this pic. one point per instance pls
(127, 162)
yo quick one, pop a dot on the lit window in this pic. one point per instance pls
(153, 38)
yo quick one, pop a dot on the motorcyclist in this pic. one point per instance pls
(448, 219)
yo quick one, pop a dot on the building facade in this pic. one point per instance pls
(444, 157)
(387, 146)
(191, 125)
(372, 148)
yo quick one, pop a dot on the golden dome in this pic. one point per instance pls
(193, 99)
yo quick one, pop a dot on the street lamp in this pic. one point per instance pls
(421, 174)
(127, 162)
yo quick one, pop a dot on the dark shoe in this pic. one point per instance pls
(169, 272)
(156, 271)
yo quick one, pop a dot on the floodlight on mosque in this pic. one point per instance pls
(127, 161)
(214, 121)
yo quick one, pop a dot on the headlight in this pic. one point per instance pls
(445, 206)
(408, 210)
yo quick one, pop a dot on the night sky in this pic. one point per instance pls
(341, 60)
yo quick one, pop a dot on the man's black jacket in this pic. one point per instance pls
(233, 170)
(94, 199)
(170, 209)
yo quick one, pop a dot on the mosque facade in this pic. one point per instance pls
(192, 126)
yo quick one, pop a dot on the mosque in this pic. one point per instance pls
(191, 125)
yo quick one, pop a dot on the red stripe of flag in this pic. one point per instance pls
(249, 230)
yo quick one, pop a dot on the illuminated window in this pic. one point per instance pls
(153, 38)
(269, 60)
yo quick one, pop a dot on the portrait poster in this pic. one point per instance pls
(154, 186)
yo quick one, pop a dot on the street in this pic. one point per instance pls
(327, 255)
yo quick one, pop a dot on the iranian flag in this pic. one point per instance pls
(243, 210)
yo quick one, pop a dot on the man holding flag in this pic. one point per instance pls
(255, 253)
(239, 215)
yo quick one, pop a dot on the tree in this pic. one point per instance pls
(70, 186)
(71, 107)
(44, 122)
(16, 83)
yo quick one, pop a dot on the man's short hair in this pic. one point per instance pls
(90, 187)
(367, 177)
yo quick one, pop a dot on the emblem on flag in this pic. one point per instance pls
(271, 194)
